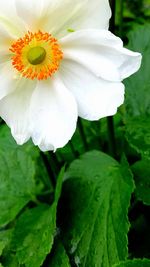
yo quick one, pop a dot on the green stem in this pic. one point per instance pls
(36, 201)
(112, 21)
(48, 192)
(54, 163)
(111, 136)
(110, 121)
(82, 134)
(121, 19)
(49, 167)
(74, 152)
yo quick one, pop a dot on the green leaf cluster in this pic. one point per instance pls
(137, 112)
(92, 213)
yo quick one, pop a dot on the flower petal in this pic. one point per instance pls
(6, 38)
(14, 109)
(8, 33)
(8, 78)
(102, 53)
(60, 15)
(7, 8)
(96, 97)
(9, 19)
(54, 115)
(30, 12)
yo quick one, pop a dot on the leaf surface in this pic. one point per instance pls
(20, 179)
(59, 257)
(134, 263)
(17, 183)
(138, 85)
(137, 103)
(96, 198)
(138, 134)
(141, 172)
(4, 239)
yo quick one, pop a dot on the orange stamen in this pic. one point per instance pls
(48, 67)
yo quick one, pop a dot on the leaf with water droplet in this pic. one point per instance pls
(96, 197)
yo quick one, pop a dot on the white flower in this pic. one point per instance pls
(58, 61)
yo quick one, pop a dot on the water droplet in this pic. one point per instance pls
(96, 177)
(73, 248)
(77, 261)
(98, 194)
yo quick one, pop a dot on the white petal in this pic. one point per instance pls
(60, 15)
(9, 18)
(6, 39)
(102, 53)
(8, 78)
(14, 109)
(54, 115)
(96, 97)
(7, 8)
(30, 12)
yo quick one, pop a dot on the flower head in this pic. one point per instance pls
(59, 61)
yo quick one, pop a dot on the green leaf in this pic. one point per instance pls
(134, 263)
(10, 261)
(96, 197)
(35, 230)
(7, 144)
(17, 184)
(59, 256)
(33, 235)
(141, 172)
(20, 178)
(138, 86)
(137, 101)
(138, 134)
(59, 184)
(4, 239)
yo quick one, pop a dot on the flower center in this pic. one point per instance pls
(36, 55)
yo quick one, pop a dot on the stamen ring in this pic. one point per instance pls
(36, 55)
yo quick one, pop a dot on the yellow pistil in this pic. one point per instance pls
(36, 55)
